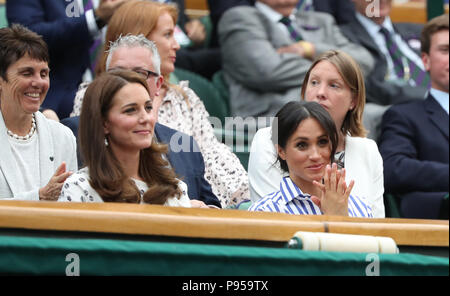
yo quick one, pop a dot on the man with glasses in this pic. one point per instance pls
(140, 55)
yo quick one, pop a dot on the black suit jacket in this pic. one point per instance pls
(188, 165)
(68, 41)
(414, 145)
(378, 90)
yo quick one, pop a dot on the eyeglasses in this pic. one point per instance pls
(145, 73)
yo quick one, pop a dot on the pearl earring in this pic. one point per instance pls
(106, 142)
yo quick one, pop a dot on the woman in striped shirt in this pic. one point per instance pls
(305, 137)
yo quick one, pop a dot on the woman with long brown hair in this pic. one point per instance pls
(177, 106)
(123, 161)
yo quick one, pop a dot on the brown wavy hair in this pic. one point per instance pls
(351, 73)
(106, 174)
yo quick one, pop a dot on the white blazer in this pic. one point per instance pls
(56, 144)
(363, 164)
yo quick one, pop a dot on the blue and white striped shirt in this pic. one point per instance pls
(291, 200)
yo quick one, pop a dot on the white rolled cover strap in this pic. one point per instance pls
(334, 242)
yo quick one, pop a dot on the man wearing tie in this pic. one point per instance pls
(69, 27)
(414, 139)
(267, 50)
(398, 74)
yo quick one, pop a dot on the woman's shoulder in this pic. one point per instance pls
(261, 204)
(80, 177)
(77, 188)
(362, 144)
(56, 128)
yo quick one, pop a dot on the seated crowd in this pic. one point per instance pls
(90, 112)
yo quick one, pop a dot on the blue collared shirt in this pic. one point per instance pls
(441, 97)
(291, 200)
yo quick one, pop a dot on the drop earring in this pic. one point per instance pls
(106, 142)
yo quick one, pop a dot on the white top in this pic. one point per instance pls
(55, 143)
(363, 164)
(25, 152)
(78, 189)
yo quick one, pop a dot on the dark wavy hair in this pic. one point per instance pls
(106, 174)
(289, 118)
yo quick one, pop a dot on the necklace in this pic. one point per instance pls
(27, 136)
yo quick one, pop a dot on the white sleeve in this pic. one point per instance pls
(264, 173)
(378, 183)
(77, 189)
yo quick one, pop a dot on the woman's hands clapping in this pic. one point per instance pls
(334, 192)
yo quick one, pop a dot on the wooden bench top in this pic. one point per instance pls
(209, 223)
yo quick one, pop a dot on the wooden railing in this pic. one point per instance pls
(209, 223)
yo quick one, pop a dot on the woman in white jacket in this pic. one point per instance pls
(334, 81)
(37, 154)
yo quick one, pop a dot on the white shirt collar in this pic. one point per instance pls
(441, 97)
(271, 14)
(372, 27)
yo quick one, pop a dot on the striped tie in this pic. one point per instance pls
(94, 50)
(404, 67)
(292, 31)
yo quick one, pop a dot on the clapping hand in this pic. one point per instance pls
(334, 192)
(52, 190)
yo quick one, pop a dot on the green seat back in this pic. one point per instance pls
(206, 21)
(206, 91)
(222, 87)
(3, 20)
(392, 206)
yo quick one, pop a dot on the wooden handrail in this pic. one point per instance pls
(209, 223)
(196, 4)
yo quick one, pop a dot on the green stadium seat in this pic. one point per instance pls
(222, 87)
(3, 20)
(392, 206)
(206, 91)
(206, 21)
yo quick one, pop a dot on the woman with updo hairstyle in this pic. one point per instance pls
(336, 82)
(306, 138)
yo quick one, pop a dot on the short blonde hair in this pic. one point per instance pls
(351, 73)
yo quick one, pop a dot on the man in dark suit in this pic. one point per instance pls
(385, 85)
(69, 32)
(414, 141)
